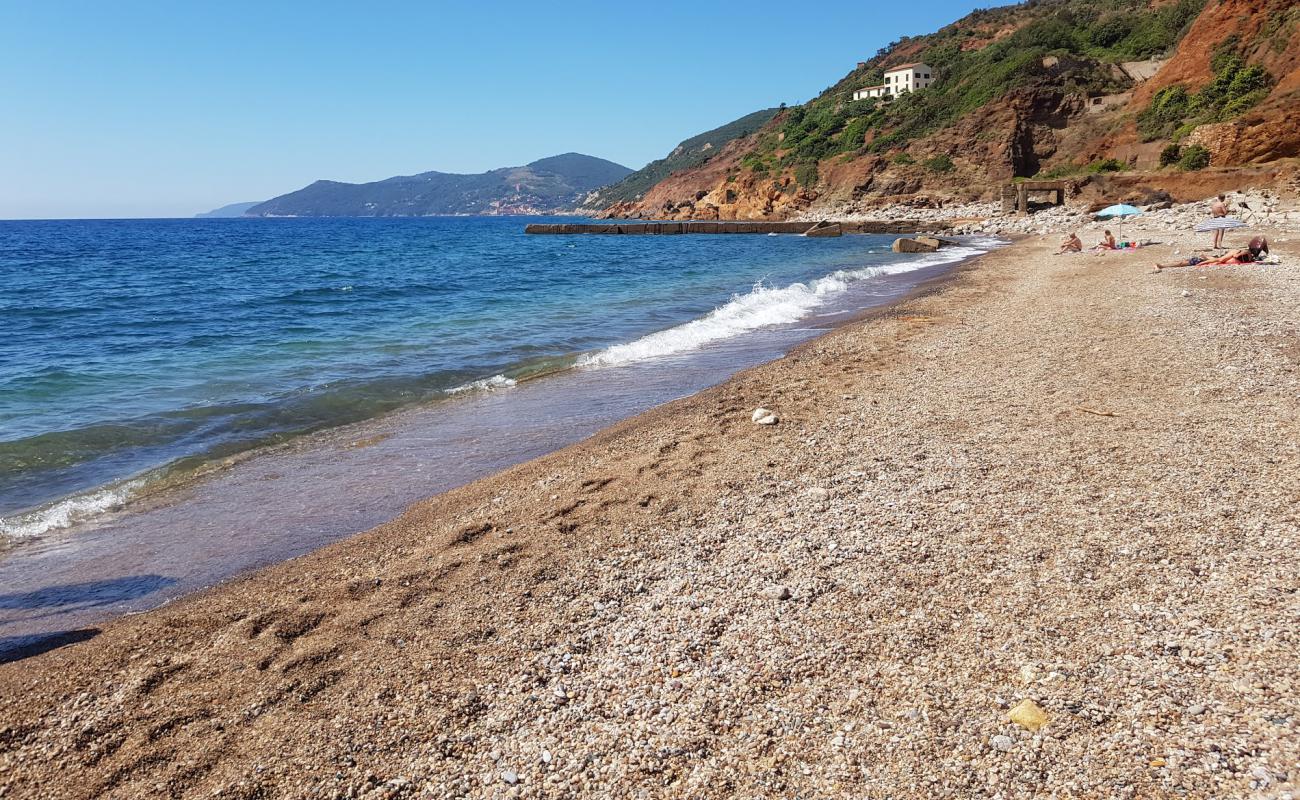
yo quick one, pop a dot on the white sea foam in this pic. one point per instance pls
(764, 307)
(68, 512)
(484, 385)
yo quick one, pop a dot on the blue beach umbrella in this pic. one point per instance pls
(1119, 210)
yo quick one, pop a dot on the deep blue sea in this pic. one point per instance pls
(135, 350)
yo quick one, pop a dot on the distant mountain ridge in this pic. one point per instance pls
(231, 210)
(549, 185)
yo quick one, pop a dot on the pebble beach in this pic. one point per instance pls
(1031, 532)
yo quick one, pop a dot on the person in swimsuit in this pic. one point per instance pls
(1107, 243)
(1071, 244)
(1219, 208)
(1235, 258)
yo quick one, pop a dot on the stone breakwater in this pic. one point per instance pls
(1031, 534)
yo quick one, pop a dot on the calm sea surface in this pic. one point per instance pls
(136, 355)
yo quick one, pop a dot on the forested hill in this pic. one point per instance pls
(549, 185)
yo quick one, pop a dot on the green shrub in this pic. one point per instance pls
(1234, 88)
(1167, 110)
(940, 164)
(1280, 26)
(1182, 130)
(806, 173)
(1106, 165)
(1170, 155)
(757, 163)
(903, 159)
(853, 135)
(1194, 157)
(1111, 31)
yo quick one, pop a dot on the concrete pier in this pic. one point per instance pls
(1015, 196)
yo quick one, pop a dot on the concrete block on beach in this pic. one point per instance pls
(825, 229)
(918, 245)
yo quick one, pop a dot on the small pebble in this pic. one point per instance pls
(777, 592)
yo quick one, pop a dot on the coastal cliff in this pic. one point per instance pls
(1174, 96)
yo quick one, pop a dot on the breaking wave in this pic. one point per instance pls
(484, 385)
(67, 512)
(762, 307)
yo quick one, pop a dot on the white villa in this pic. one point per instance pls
(903, 78)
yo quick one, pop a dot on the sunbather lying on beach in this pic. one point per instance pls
(1256, 251)
(1235, 258)
(1071, 244)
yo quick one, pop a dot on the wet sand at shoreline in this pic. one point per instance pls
(275, 503)
(1051, 479)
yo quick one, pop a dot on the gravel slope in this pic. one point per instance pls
(1056, 479)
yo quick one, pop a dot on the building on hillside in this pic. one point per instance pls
(900, 79)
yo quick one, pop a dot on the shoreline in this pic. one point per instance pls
(659, 607)
(113, 493)
(94, 555)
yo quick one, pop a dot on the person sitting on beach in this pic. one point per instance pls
(1071, 244)
(1233, 259)
(1107, 243)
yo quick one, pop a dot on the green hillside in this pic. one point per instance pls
(976, 64)
(690, 153)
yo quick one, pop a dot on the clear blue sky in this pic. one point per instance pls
(128, 109)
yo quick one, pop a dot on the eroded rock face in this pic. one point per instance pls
(1271, 130)
(1036, 119)
(1251, 140)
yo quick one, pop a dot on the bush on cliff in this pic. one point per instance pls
(940, 164)
(806, 174)
(1234, 89)
(1193, 158)
(1166, 112)
(1106, 165)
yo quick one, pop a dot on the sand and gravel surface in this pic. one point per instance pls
(1059, 480)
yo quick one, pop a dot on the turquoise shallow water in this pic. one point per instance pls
(131, 350)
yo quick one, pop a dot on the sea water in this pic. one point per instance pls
(140, 359)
